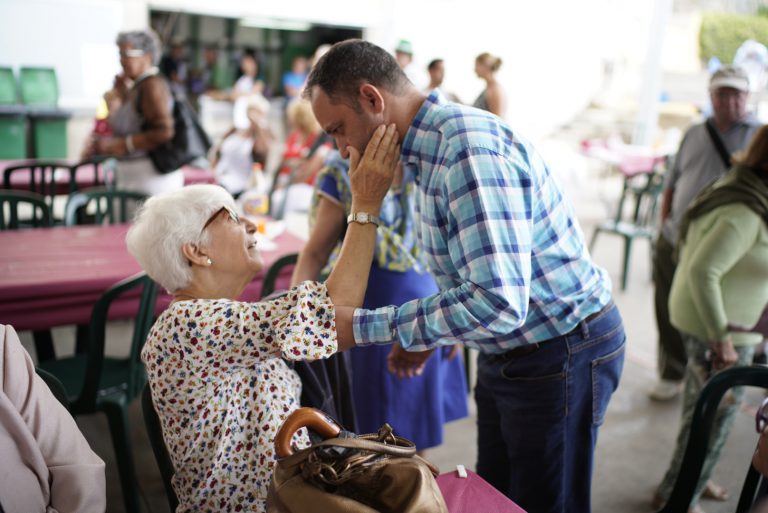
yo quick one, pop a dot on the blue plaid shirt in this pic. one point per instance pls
(498, 235)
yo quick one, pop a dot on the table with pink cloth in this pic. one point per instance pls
(53, 276)
(473, 494)
(630, 160)
(89, 175)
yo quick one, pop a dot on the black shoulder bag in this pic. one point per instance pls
(189, 138)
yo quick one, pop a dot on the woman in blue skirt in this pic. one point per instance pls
(415, 407)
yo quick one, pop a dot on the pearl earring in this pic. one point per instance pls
(209, 262)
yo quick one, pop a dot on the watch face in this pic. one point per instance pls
(363, 217)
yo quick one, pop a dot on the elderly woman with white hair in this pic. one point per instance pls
(144, 119)
(216, 365)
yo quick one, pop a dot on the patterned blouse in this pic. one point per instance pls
(222, 389)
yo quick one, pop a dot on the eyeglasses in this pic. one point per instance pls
(132, 52)
(761, 418)
(232, 215)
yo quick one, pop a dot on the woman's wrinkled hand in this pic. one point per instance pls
(372, 173)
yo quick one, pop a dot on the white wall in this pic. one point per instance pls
(553, 52)
(76, 37)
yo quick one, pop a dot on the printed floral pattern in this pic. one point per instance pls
(222, 389)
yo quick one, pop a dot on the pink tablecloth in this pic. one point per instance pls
(53, 276)
(473, 494)
(86, 176)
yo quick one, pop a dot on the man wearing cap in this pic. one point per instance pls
(701, 159)
(404, 58)
(516, 281)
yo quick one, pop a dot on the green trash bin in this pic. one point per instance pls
(49, 133)
(13, 119)
(13, 135)
(40, 92)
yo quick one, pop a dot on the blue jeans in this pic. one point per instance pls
(538, 414)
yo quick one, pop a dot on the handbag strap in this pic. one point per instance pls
(402, 447)
(725, 156)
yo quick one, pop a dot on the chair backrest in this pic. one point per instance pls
(103, 169)
(8, 90)
(22, 209)
(110, 205)
(142, 323)
(698, 441)
(56, 386)
(39, 86)
(638, 204)
(274, 271)
(41, 177)
(155, 433)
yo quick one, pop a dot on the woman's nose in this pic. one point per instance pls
(250, 226)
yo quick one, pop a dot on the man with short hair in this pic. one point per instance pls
(698, 163)
(436, 71)
(516, 281)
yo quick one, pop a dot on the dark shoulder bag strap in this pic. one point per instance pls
(718, 142)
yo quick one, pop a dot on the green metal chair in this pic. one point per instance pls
(640, 193)
(97, 383)
(701, 427)
(155, 432)
(39, 176)
(274, 271)
(12, 210)
(110, 205)
(104, 170)
(56, 386)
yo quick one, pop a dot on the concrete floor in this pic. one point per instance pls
(638, 435)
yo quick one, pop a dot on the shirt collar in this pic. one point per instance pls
(413, 146)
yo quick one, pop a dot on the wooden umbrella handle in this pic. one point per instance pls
(310, 418)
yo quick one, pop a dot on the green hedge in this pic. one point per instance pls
(722, 34)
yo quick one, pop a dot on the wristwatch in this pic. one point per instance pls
(363, 218)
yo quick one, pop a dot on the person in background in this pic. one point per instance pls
(306, 148)
(242, 152)
(202, 80)
(293, 80)
(174, 66)
(698, 163)
(404, 58)
(47, 465)
(144, 119)
(493, 98)
(247, 84)
(417, 407)
(436, 70)
(718, 294)
(217, 367)
(515, 278)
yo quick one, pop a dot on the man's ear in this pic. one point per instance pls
(194, 254)
(371, 98)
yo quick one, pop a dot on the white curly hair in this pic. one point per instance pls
(168, 221)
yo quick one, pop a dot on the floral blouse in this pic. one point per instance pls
(222, 389)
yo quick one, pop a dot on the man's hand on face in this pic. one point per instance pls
(406, 364)
(371, 174)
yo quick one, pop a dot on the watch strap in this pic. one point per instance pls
(363, 218)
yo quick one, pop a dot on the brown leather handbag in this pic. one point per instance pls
(346, 473)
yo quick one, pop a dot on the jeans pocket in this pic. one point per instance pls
(606, 372)
(534, 368)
